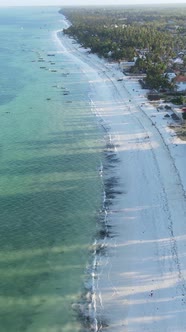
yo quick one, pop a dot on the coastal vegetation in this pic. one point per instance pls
(152, 38)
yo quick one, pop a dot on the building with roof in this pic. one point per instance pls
(180, 82)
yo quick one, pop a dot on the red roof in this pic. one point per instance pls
(180, 79)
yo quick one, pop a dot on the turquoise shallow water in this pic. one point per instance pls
(50, 191)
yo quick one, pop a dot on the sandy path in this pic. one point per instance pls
(141, 284)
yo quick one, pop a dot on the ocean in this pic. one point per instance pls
(51, 148)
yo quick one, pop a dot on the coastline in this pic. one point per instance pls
(140, 284)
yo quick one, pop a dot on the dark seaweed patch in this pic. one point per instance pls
(84, 316)
(109, 146)
(110, 187)
(100, 249)
(111, 157)
(103, 233)
(90, 319)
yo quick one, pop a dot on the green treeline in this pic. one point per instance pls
(152, 36)
(120, 42)
(121, 31)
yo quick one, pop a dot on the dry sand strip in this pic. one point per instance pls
(141, 282)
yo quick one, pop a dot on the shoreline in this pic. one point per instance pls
(141, 282)
(86, 308)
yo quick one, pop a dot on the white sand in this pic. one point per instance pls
(141, 283)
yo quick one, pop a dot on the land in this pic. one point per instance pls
(151, 40)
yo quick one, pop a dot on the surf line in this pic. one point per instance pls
(95, 307)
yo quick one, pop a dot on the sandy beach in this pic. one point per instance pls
(140, 284)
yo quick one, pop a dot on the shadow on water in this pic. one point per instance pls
(36, 218)
(77, 152)
(43, 249)
(42, 165)
(66, 139)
